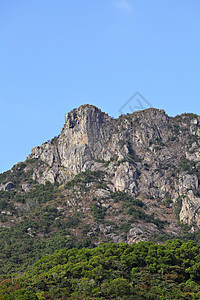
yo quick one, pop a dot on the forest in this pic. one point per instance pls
(111, 271)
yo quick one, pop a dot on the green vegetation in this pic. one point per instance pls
(176, 129)
(187, 165)
(131, 157)
(82, 179)
(18, 173)
(20, 247)
(193, 138)
(141, 215)
(39, 227)
(158, 148)
(111, 271)
(167, 202)
(98, 211)
(178, 207)
(39, 194)
(136, 213)
(189, 117)
(126, 198)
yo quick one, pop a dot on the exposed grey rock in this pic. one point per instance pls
(7, 186)
(116, 238)
(141, 232)
(125, 178)
(190, 211)
(105, 228)
(140, 153)
(100, 193)
(26, 187)
(188, 182)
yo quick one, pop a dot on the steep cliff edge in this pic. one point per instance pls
(90, 137)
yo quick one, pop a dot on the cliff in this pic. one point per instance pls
(131, 179)
(146, 153)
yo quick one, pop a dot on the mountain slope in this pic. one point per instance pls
(146, 154)
(135, 178)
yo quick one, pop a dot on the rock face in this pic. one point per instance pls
(141, 232)
(147, 154)
(9, 186)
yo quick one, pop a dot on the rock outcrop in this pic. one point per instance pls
(8, 186)
(147, 154)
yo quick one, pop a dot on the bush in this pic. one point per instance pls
(141, 215)
(84, 178)
(98, 211)
(126, 198)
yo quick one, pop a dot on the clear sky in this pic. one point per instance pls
(56, 55)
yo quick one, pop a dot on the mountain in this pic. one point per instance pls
(131, 179)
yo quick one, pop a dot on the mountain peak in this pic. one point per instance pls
(129, 178)
(143, 153)
(86, 111)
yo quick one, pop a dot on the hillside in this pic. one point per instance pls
(131, 179)
(143, 271)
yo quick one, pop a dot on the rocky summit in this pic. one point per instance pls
(146, 154)
(135, 178)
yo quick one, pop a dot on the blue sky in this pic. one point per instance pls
(58, 55)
